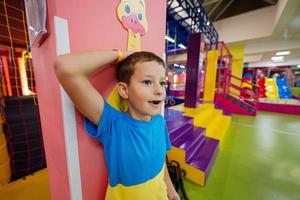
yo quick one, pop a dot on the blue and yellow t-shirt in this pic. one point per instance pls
(135, 153)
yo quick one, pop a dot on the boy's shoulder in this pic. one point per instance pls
(159, 119)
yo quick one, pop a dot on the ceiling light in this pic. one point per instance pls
(298, 66)
(169, 39)
(277, 59)
(182, 66)
(283, 53)
(176, 65)
(182, 46)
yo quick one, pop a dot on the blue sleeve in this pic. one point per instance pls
(103, 129)
(167, 138)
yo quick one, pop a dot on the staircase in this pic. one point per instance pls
(195, 135)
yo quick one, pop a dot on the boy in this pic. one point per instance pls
(135, 142)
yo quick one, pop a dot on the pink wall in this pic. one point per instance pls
(93, 25)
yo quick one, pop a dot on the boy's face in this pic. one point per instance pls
(146, 91)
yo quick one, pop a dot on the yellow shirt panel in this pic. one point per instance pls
(154, 189)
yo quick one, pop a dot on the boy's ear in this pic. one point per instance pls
(122, 89)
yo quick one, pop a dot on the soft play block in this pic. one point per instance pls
(33, 187)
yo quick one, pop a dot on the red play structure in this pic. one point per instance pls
(233, 97)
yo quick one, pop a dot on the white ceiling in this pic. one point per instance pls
(285, 35)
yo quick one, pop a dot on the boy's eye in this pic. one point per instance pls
(147, 82)
(163, 83)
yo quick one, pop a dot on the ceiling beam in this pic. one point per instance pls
(272, 2)
(191, 19)
(209, 2)
(223, 10)
(214, 8)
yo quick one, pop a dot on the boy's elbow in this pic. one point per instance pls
(60, 67)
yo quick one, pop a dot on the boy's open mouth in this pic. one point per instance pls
(155, 102)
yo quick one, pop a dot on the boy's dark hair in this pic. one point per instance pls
(125, 68)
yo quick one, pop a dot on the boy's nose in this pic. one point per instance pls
(158, 89)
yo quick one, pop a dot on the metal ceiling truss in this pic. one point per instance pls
(185, 17)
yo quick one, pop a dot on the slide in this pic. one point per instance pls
(262, 88)
(284, 90)
(271, 88)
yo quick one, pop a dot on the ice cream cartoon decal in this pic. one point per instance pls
(132, 15)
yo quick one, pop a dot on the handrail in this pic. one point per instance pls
(224, 82)
(253, 94)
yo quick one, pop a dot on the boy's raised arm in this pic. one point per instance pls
(73, 72)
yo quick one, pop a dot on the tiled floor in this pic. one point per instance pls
(259, 159)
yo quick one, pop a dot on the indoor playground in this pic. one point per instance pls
(232, 104)
(276, 85)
